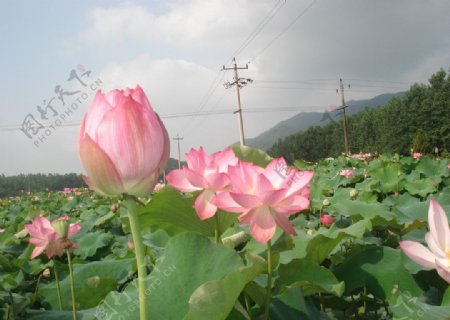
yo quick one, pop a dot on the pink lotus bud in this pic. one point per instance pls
(122, 143)
(326, 220)
(130, 245)
(114, 207)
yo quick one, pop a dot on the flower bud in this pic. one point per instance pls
(326, 220)
(234, 240)
(61, 227)
(122, 143)
(326, 202)
(46, 273)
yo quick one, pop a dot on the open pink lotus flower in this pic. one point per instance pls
(45, 237)
(204, 172)
(266, 197)
(437, 255)
(122, 143)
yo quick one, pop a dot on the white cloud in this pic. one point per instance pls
(191, 23)
(172, 85)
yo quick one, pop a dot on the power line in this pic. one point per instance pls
(215, 84)
(191, 114)
(378, 81)
(322, 89)
(213, 87)
(271, 42)
(272, 13)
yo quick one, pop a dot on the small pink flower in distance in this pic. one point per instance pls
(326, 220)
(266, 197)
(67, 190)
(159, 186)
(437, 255)
(417, 155)
(51, 237)
(130, 245)
(2, 230)
(204, 172)
(361, 156)
(348, 173)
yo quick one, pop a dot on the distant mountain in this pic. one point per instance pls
(304, 120)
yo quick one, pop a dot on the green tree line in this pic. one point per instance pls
(420, 120)
(15, 185)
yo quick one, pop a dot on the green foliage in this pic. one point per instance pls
(421, 142)
(379, 270)
(351, 270)
(195, 277)
(173, 212)
(93, 282)
(311, 277)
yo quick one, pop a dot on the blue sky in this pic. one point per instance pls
(175, 49)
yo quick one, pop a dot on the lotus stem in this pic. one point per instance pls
(140, 255)
(269, 281)
(58, 289)
(217, 229)
(72, 286)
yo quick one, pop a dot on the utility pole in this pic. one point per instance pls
(240, 83)
(178, 138)
(344, 119)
